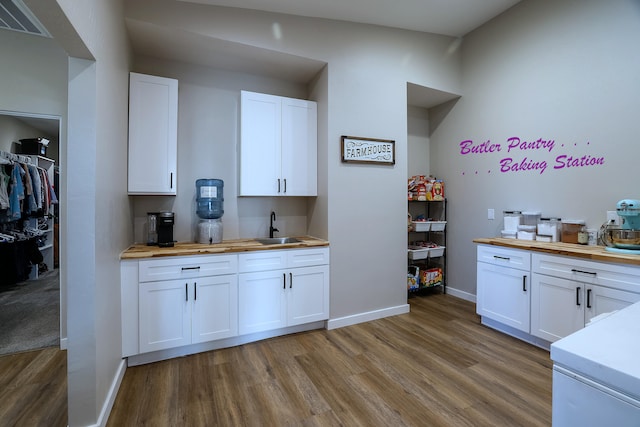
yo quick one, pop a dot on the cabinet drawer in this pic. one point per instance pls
(262, 261)
(512, 258)
(187, 267)
(307, 257)
(597, 273)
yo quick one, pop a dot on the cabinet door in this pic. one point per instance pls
(165, 315)
(262, 301)
(215, 308)
(503, 295)
(600, 300)
(307, 295)
(260, 144)
(557, 307)
(299, 148)
(153, 125)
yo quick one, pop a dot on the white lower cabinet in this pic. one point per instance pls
(180, 312)
(573, 291)
(503, 286)
(282, 288)
(178, 301)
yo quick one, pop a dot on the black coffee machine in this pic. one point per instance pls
(165, 229)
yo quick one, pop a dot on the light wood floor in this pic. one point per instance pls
(436, 366)
(33, 388)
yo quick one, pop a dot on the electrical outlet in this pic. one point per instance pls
(491, 214)
(613, 218)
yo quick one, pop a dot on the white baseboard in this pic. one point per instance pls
(461, 294)
(63, 344)
(111, 396)
(366, 317)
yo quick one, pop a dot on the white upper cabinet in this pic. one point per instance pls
(153, 127)
(278, 148)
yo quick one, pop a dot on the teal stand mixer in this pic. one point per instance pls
(626, 237)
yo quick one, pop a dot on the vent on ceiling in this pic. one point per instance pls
(14, 15)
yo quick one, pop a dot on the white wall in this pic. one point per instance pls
(418, 156)
(564, 71)
(98, 226)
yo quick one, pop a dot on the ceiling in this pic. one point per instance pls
(447, 17)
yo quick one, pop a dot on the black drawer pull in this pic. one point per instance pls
(578, 295)
(589, 298)
(195, 291)
(290, 280)
(502, 257)
(190, 268)
(186, 292)
(284, 281)
(524, 283)
(573, 270)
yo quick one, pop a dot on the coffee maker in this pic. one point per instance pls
(160, 229)
(165, 229)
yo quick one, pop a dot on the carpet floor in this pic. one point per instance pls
(30, 314)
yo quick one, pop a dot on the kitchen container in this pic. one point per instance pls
(570, 230)
(526, 232)
(512, 219)
(550, 227)
(209, 198)
(531, 218)
(508, 234)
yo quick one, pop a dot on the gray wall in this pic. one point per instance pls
(564, 71)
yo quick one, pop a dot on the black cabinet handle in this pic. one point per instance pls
(285, 185)
(578, 295)
(284, 281)
(186, 292)
(588, 298)
(524, 283)
(195, 291)
(290, 280)
(502, 257)
(171, 180)
(573, 270)
(190, 268)
(278, 185)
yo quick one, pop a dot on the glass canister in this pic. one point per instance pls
(550, 228)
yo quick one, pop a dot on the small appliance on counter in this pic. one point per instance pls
(626, 237)
(209, 208)
(165, 229)
(160, 229)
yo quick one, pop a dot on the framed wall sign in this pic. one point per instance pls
(368, 150)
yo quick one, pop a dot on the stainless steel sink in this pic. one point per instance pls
(277, 240)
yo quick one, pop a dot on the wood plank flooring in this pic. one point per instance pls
(435, 366)
(33, 388)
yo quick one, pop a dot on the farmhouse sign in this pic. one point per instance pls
(368, 150)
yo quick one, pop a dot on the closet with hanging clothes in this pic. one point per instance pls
(27, 197)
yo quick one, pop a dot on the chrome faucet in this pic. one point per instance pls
(271, 229)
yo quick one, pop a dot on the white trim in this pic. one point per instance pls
(63, 343)
(367, 316)
(111, 396)
(516, 333)
(461, 294)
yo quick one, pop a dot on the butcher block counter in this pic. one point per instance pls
(595, 253)
(139, 251)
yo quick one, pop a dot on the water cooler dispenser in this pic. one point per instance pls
(209, 208)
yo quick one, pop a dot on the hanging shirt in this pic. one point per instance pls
(36, 186)
(16, 193)
(4, 185)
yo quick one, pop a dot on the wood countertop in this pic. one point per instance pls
(595, 253)
(139, 251)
